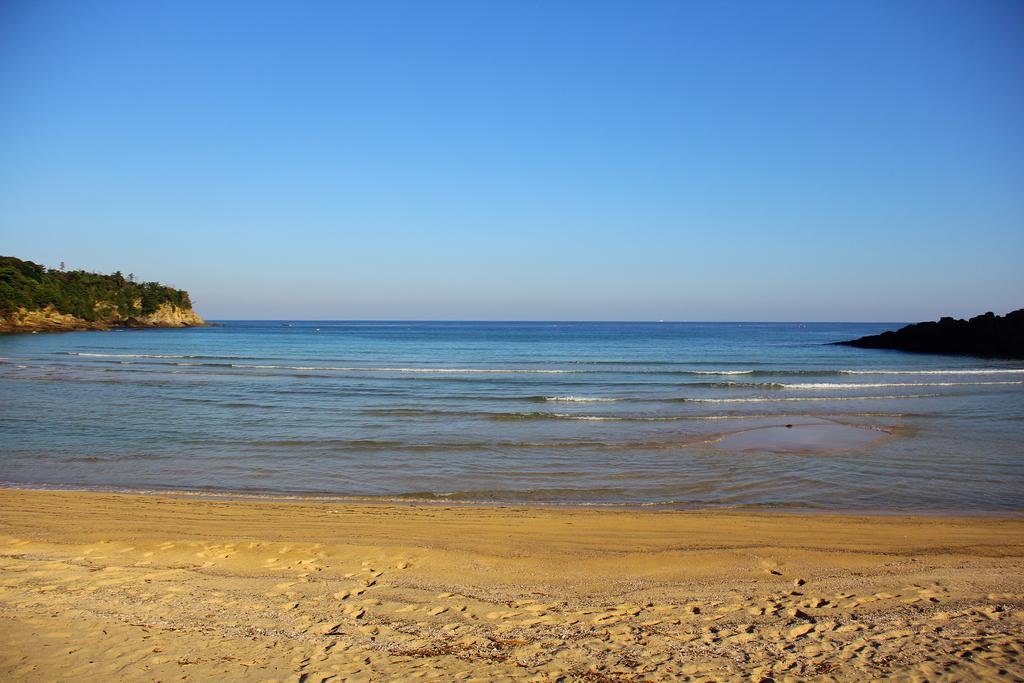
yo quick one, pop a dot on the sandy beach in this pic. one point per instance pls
(101, 586)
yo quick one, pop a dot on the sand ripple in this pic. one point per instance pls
(157, 588)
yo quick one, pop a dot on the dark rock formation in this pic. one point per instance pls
(984, 335)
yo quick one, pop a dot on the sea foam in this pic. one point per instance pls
(882, 385)
(579, 399)
(972, 371)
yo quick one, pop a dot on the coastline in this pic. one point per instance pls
(439, 500)
(95, 585)
(166, 316)
(80, 325)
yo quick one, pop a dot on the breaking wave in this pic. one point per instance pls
(444, 371)
(882, 385)
(579, 399)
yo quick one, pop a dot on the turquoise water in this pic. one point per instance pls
(598, 413)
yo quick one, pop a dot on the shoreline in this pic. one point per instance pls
(96, 585)
(440, 501)
(86, 326)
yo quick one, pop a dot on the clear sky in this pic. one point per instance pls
(524, 160)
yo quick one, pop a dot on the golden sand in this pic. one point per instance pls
(98, 586)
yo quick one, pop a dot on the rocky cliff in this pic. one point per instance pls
(167, 315)
(984, 335)
(34, 298)
(49, 319)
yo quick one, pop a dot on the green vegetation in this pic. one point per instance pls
(90, 296)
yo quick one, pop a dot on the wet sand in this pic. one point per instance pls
(100, 586)
(824, 437)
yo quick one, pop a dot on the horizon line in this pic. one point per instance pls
(555, 320)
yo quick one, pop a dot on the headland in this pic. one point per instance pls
(34, 298)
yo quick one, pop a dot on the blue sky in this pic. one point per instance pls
(524, 160)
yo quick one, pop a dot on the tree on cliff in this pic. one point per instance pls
(90, 296)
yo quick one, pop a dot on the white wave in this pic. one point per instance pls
(655, 418)
(974, 371)
(579, 399)
(122, 355)
(807, 398)
(588, 418)
(881, 385)
(444, 371)
(722, 372)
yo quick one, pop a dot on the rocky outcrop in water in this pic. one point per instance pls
(51, 320)
(984, 335)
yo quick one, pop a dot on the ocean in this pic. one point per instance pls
(684, 415)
